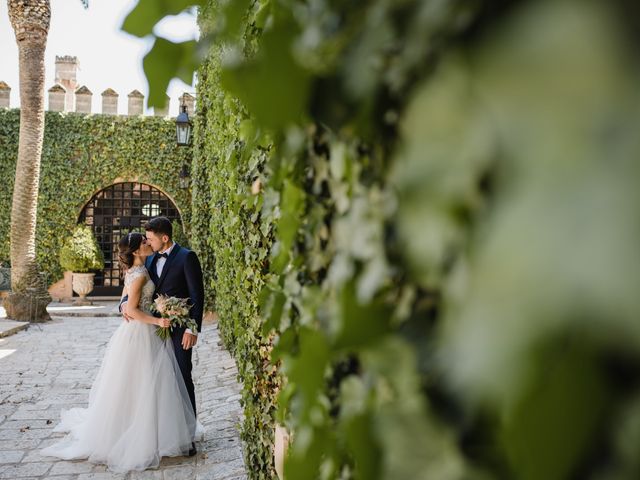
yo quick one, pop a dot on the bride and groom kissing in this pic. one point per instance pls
(142, 403)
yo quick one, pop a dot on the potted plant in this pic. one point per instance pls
(80, 254)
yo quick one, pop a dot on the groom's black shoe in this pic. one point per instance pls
(193, 450)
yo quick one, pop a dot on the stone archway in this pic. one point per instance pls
(112, 213)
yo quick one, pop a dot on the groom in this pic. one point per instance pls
(176, 272)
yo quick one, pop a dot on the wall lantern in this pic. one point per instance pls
(184, 177)
(183, 127)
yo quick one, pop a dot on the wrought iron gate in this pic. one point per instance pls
(115, 211)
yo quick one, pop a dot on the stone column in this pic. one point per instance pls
(83, 100)
(163, 112)
(190, 102)
(5, 95)
(66, 72)
(57, 95)
(109, 102)
(136, 103)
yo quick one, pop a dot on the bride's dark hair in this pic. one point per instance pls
(127, 245)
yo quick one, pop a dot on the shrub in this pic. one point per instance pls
(81, 252)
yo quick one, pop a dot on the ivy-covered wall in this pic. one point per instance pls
(81, 155)
(442, 241)
(234, 245)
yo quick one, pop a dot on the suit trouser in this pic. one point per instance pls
(184, 362)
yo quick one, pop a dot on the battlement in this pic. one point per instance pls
(66, 95)
(66, 59)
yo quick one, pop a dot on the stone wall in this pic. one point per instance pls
(157, 162)
(67, 96)
(82, 155)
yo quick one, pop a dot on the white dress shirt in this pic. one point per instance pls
(161, 261)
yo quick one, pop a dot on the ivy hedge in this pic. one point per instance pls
(234, 244)
(439, 234)
(81, 155)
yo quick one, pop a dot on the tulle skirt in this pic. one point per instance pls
(139, 408)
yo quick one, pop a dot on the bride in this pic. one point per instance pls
(139, 409)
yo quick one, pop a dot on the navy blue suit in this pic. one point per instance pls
(181, 277)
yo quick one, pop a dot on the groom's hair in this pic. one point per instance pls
(159, 226)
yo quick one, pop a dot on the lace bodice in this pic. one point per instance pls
(146, 296)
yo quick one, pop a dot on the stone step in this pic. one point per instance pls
(58, 309)
(9, 327)
(84, 314)
(96, 309)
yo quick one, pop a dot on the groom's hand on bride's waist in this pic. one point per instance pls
(125, 314)
(123, 308)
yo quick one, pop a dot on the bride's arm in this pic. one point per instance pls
(135, 289)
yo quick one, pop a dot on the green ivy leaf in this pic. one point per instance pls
(273, 86)
(272, 307)
(558, 413)
(359, 324)
(234, 11)
(262, 14)
(147, 13)
(165, 61)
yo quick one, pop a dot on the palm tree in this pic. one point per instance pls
(29, 298)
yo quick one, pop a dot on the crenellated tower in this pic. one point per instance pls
(66, 95)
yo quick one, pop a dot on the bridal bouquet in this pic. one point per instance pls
(177, 311)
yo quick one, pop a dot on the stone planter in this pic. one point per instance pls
(83, 285)
(282, 441)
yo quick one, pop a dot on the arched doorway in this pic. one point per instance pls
(115, 211)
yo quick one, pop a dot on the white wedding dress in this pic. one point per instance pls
(139, 409)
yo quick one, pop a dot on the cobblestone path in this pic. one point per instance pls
(51, 366)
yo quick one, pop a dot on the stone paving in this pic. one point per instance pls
(51, 366)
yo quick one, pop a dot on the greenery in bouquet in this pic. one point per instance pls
(177, 311)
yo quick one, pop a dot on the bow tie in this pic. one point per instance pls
(163, 255)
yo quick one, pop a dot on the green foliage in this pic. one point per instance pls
(166, 59)
(80, 252)
(229, 155)
(141, 20)
(448, 223)
(81, 155)
(179, 235)
(325, 197)
(176, 56)
(272, 70)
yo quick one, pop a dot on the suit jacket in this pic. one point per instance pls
(181, 277)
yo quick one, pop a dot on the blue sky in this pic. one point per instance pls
(107, 56)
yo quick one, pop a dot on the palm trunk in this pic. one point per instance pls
(29, 297)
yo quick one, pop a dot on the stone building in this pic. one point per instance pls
(114, 200)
